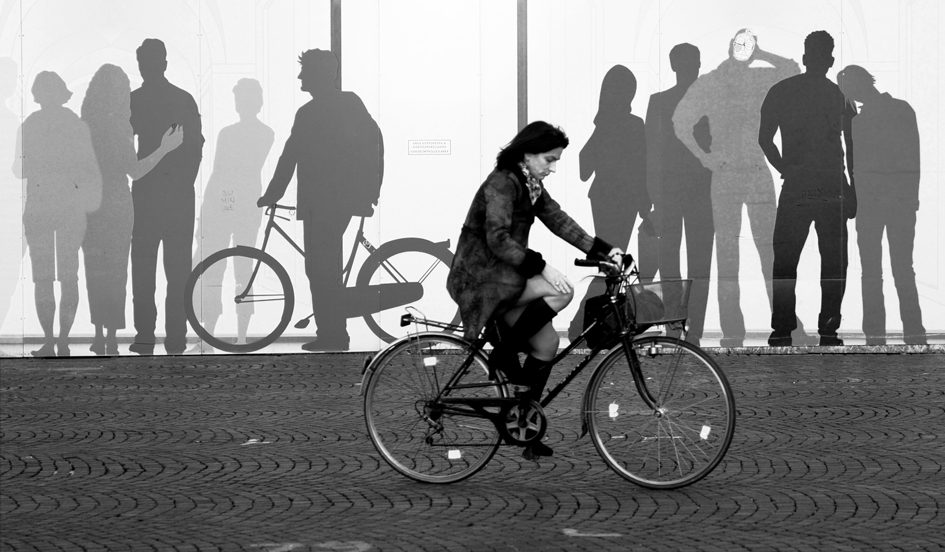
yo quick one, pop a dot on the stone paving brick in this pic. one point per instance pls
(270, 453)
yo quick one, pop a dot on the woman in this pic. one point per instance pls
(494, 272)
(107, 109)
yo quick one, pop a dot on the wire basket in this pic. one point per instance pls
(660, 302)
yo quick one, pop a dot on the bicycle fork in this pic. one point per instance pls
(638, 380)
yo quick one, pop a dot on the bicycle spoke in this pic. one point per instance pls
(429, 271)
(419, 437)
(681, 442)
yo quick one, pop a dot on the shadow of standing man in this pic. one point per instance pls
(337, 153)
(812, 114)
(164, 210)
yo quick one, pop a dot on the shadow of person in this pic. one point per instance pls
(887, 173)
(63, 185)
(730, 96)
(336, 151)
(679, 187)
(163, 200)
(12, 246)
(228, 213)
(615, 155)
(106, 109)
(813, 116)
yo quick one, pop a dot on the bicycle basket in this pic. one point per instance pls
(660, 302)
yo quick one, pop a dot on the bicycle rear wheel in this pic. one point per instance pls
(264, 311)
(687, 435)
(407, 424)
(409, 260)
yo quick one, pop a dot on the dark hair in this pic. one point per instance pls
(819, 43)
(320, 60)
(151, 49)
(683, 53)
(536, 137)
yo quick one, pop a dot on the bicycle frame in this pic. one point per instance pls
(347, 271)
(477, 406)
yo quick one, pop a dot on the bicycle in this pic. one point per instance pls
(659, 410)
(261, 282)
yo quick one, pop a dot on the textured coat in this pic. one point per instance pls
(492, 260)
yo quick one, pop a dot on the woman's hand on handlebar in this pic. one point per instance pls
(616, 256)
(557, 279)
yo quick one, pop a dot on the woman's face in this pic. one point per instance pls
(542, 164)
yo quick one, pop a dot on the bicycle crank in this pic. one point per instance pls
(522, 423)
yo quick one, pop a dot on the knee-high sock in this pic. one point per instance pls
(535, 316)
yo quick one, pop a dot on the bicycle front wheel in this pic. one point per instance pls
(410, 427)
(688, 433)
(259, 291)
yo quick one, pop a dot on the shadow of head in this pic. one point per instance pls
(855, 82)
(617, 90)
(49, 90)
(818, 52)
(319, 70)
(248, 96)
(152, 59)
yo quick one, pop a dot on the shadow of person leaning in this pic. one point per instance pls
(106, 109)
(54, 154)
(887, 173)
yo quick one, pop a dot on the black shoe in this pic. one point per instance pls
(830, 341)
(143, 349)
(536, 450)
(325, 344)
(779, 340)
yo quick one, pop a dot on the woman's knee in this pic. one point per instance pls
(559, 301)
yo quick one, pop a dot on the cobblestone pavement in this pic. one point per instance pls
(270, 453)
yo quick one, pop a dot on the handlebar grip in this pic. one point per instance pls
(586, 262)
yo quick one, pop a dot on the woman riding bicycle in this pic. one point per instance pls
(494, 273)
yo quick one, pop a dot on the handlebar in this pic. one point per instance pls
(606, 266)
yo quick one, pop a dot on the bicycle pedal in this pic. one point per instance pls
(520, 390)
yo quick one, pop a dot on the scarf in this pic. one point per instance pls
(534, 185)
